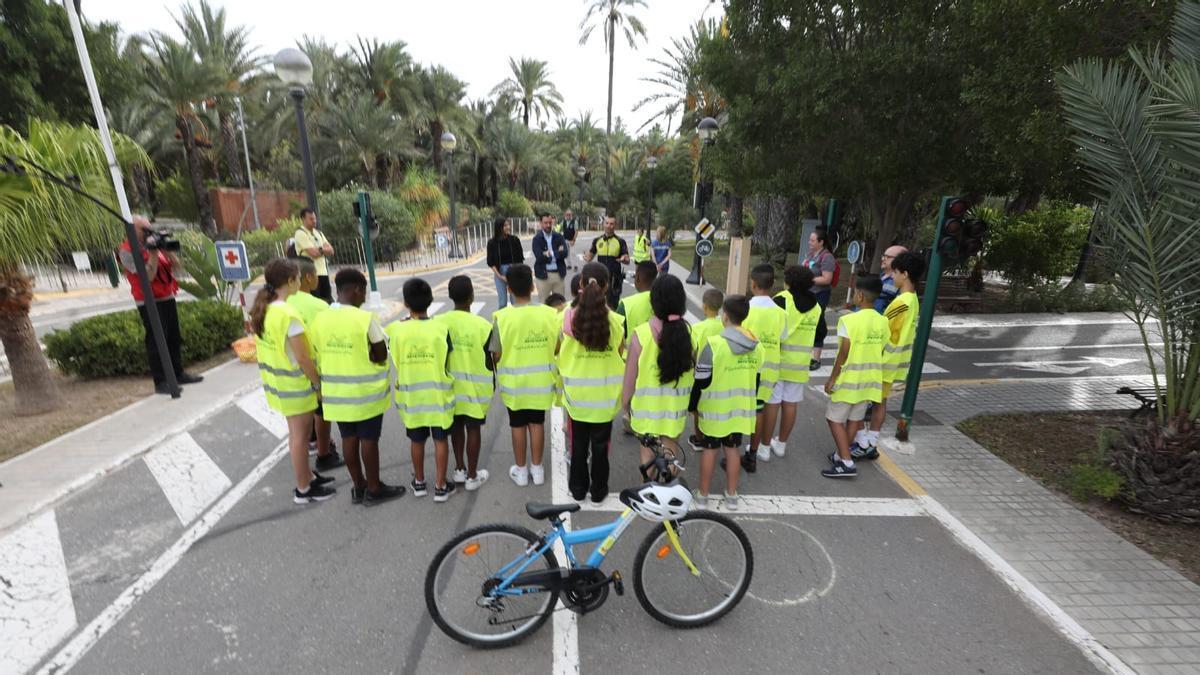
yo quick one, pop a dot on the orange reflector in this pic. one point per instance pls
(471, 548)
(663, 552)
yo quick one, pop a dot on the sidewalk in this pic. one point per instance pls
(1147, 614)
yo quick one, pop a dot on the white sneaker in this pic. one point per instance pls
(764, 453)
(699, 501)
(778, 447)
(731, 502)
(538, 473)
(473, 484)
(519, 474)
(460, 476)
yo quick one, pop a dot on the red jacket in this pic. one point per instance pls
(163, 283)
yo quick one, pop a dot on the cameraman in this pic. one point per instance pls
(160, 267)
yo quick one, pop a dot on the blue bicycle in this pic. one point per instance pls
(492, 585)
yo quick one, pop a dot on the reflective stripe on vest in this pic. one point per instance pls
(641, 249)
(637, 312)
(525, 374)
(727, 406)
(591, 380)
(861, 376)
(424, 392)
(353, 388)
(657, 407)
(767, 324)
(897, 356)
(287, 388)
(796, 351)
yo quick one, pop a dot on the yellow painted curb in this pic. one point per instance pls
(897, 474)
(77, 293)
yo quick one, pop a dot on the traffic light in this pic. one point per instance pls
(952, 228)
(974, 233)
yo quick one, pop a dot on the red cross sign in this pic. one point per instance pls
(231, 259)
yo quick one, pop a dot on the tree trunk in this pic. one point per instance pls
(208, 224)
(230, 145)
(140, 179)
(737, 220)
(525, 112)
(612, 50)
(1085, 254)
(887, 211)
(1026, 200)
(34, 389)
(435, 130)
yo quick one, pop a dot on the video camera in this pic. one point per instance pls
(161, 241)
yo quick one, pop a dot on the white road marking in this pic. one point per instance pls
(1057, 366)
(476, 307)
(927, 368)
(36, 608)
(189, 478)
(255, 405)
(691, 318)
(566, 623)
(789, 505)
(809, 593)
(78, 646)
(951, 321)
(1098, 654)
(435, 308)
(1038, 348)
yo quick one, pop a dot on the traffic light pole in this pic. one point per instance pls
(921, 342)
(374, 299)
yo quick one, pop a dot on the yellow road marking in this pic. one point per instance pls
(897, 474)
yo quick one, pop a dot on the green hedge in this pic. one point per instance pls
(114, 344)
(396, 219)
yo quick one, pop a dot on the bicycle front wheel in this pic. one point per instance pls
(462, 575)
(666, 586)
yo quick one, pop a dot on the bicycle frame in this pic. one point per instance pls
(606, 534)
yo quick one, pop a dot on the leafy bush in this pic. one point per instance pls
(421, 193)
(513, 205)
(1093, 475)
(175, 197)
(114, 344)
(674, 211)
(198, 255)
(547, 207)
(1042, 245)
(396, 220)
(1051, 297)
(262, 244)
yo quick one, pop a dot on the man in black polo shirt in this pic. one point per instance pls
(611, 251)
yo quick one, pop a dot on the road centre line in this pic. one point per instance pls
(71, 653)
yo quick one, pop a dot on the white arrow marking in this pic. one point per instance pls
(1058, 367)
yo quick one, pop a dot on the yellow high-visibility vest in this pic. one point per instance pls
(353, 388)
(424, 392)
(767, 324)
(727, 405)
(898, 354)
(861, 377)
(637, 311)
(307, 305)
(525, 373)
(285, 384)
(592, 380)
(795, 352)
(473, 382)
(657, 407)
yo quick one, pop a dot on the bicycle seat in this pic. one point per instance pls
(539, 511)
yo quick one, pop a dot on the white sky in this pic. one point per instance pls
(484, 34)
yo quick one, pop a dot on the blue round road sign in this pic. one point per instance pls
(704, 248)
(854, 252)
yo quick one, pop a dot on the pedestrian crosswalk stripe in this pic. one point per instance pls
(691, 318)
(189, 478)
(476, 307)
(255, 405)
(36, 608)
(435, 308)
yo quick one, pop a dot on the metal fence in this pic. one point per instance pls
(64, 278)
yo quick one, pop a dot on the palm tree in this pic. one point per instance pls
(681, 84)
(608, 14)
(437, 107)
(176, 81)
(39, 220)
(530, 86)
(228, 52)
(380, 68)
(1139, 143)
(369, 133)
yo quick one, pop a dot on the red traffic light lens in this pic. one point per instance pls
(957, 207)
(952, 227)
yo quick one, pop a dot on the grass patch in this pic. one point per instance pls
(1072, 464)
(716, 266)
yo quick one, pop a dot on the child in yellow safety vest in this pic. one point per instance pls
(857, 377)
(768, 322)
(701, 331)
(524, 337)
(308, 306)
(424, 390)
(591, 362)
(636, 308)
(352, 357)
(289, 376)
(901, 314)
(474, 382)
(659, 367)
(727, 379)
(804, 312)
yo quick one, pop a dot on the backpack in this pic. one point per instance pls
(837, 273)
(291, 249)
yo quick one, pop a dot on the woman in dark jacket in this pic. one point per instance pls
(503, 249)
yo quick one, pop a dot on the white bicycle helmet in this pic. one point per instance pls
(656, 502)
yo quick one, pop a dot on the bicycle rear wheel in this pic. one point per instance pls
(464, 570)
(666, 587)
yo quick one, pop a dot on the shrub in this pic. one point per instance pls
(395, 219)
(546, 207)
(421, 194)
(114, 344)
(1093, 475)
(513, 205)
(175, 198)
(1050, 297)
(674, 211)
(1042, 245)
(262, 244)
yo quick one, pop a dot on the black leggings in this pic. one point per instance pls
(589, 439)
(822, 328)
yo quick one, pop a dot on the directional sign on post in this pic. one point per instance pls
(231, 259)
(704, 248)
(705, 229)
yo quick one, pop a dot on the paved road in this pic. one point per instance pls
(336, 588)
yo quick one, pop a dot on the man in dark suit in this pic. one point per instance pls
(549, 259)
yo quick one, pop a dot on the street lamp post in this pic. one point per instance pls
(449, 143)
(295, 70)
(580, 172)
(707, 130)
(651, 163)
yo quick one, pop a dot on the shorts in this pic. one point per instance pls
(787, 392)
(421, 434)
(840, 413)
(523, 418)
(369, 429)
(466, 422)
(712, 443)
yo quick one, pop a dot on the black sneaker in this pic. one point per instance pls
(695, 442)
(383, 494)
(579, 496)
(441, 494)
(316, 493)
(356, 495)
(331, 461)
(418, 487)
(749, 462)
(598, 497)
(318, 479)
(188, 378)
(814, 364)
(858, 452)
(840, 470)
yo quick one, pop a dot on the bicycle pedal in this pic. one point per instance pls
(618, 584)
